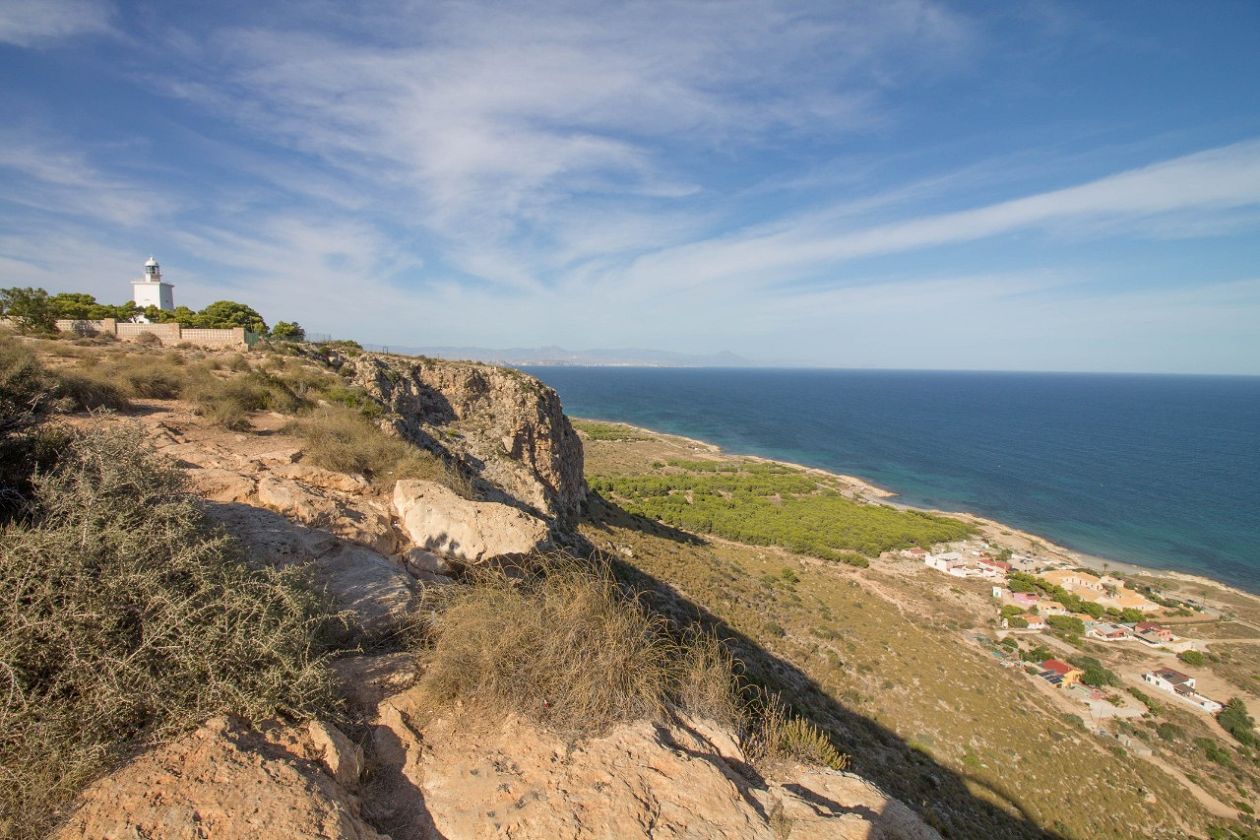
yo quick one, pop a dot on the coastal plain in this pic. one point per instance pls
(904, 665)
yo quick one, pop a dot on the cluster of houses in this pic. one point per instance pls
(1105, 591)
(975, 564)
(1182, 687)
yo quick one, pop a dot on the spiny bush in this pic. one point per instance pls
(341, 439)
(127, 618)
(569, 650)
(776, 736)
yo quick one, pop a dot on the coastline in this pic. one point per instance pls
(994, 530)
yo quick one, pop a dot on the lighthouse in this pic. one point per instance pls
(150, 290)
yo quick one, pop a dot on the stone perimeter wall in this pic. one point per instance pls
(168, 334)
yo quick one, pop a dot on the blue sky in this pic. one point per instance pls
(908, 184)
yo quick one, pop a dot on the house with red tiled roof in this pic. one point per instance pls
(1060, 673)
(1152, 633)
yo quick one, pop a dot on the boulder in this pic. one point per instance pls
(378, 591)
(373, 587)
(224, 781)
(439, 521)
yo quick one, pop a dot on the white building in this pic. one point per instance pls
(150, 290)
(1182, 686)
(952, 563)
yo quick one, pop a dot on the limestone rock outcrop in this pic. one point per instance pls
(439, 521)
(684, 779)
(376, 591)
(505, 427)
(228, 782)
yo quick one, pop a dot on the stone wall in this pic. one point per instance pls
(168, 334)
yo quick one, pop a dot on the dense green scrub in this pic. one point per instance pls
(772, 504)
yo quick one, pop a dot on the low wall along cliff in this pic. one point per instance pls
(168, 334)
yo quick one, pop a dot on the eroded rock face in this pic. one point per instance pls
(686, 779)
(505, 427)
(228, 782)
(439, 521)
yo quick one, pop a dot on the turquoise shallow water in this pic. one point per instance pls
(1163, 471)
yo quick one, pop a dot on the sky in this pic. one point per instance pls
(1045, 185)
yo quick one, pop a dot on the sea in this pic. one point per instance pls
(1160, 471)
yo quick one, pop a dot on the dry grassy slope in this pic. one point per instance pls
(886, 644)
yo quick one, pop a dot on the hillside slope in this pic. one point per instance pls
(254, 436)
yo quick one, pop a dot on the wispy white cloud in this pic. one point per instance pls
(487, 122)
(38, 23)
(49, 174)
(1212, 182)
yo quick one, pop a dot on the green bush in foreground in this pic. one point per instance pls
(125, 618)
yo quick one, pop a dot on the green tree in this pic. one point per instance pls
(288, 331)
(1131, 616)
(29, 308)
(77, 306)
(1091, 609)
(1066, 624)
(1095, 673)
(225, 314)
(1192, 657)
(1235, 720)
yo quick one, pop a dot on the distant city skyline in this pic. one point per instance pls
(1062, 186)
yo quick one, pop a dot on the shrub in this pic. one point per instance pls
(778, 736)
(567, 649)
(88, 392)
(148, 339)
(1235, 720)
(229, 401)
(126, 619)
(343, 440)
(149, 377)
(1192, 657)
(1214, 751)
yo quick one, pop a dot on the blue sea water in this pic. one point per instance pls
(1163, 471)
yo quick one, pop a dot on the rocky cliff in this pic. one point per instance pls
(506, 429)
(390, 766)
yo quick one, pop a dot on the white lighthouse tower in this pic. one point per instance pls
(149, 290)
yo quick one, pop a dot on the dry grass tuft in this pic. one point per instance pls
(126, 619)
(340, 438)
(88, 391)
(568, 649)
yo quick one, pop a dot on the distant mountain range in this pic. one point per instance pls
(554, 356)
